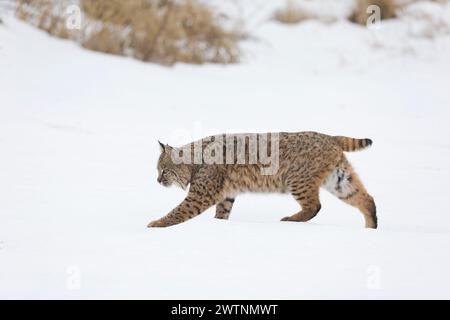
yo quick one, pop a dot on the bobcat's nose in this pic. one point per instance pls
(159, 179)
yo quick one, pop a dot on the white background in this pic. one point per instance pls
(78, 152)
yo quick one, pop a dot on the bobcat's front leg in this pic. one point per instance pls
(188, 209)
(223, 209)
(203, 194)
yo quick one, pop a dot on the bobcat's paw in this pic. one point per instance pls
(291, 219)
(157, 224)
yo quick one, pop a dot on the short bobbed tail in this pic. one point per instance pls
(351, 144)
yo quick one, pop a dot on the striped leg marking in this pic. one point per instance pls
(223, 209)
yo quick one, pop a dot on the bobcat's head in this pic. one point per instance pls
(170, 173)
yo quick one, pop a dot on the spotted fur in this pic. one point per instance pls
(307, 161)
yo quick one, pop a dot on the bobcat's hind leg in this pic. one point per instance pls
(308, 198)
(345, 184)
(223, 209)
(365, 203)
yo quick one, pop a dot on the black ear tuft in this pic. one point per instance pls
(162, 146)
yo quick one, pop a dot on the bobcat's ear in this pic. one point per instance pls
(162, 147)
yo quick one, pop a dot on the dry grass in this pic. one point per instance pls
(162, 31)
(44, 14)
(290, 14)
(360, 15)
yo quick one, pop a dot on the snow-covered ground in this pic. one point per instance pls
(78, 152)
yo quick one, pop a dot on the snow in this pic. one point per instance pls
(78, 152)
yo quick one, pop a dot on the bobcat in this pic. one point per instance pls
(307, 161)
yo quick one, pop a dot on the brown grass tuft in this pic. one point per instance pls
(360, 15)
(44, 15)
(290, 14)
(162, 31)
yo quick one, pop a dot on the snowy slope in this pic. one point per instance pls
(78, 154)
